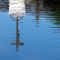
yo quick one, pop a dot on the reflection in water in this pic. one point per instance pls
(4, 4)
(17, 9)
(39, 9)
(37, 12)
(17, 37)
(34, 8)
(45, 16)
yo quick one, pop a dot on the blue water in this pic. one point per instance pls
(41, 37)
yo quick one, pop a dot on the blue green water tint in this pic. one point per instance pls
(32, 33)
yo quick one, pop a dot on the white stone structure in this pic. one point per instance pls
(16, 8)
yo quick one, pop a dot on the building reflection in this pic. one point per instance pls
(17, 10)
(29, 6)
(32, 7)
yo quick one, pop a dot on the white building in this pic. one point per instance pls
(16, 8)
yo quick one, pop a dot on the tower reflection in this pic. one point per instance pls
(39, 7)
(37, 12)
(17, 43)
(17, 10)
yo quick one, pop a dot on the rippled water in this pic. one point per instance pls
(29, 30)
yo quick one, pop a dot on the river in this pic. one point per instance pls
(29, 30)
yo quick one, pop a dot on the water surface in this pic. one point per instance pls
(29, 30)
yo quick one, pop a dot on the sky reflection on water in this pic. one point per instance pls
(36, 27)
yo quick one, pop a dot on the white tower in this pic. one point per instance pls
(17, 8)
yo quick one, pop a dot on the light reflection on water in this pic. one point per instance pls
(30, 28)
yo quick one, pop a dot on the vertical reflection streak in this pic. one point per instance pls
(17, 35)
(17, 10)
